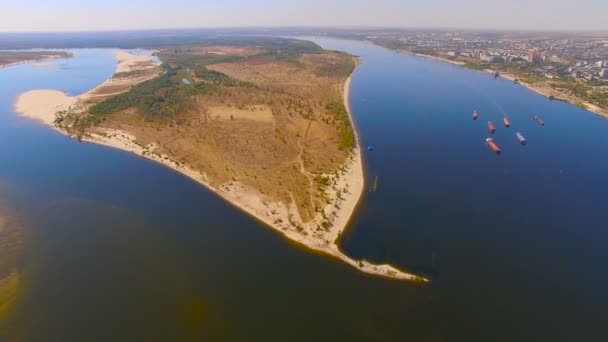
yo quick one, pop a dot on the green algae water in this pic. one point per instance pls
(120, 248)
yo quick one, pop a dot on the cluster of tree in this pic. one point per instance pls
(347, 134)
(156, 99)
(585, 92)
(218, 78)
(341, 68)
(183, 58)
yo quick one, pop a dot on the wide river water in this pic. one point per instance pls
(121, 248)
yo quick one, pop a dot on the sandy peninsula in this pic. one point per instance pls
(42, 105)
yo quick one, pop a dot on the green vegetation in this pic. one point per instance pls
(339, 69)
(218, 78)
(9, 291)
(277, 48)
(374, 185)
(166, 95)
(475, 66)
(347, 134)
(156, 99)
(585, 92)
(186, 59)
(322, 180)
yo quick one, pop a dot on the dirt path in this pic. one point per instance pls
(306, 174)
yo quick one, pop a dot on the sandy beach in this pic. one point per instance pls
(42, 105)
(349, 184)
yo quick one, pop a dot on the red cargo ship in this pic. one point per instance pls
(491, 127)
(493, 145)
(475, 115)
(506, 121)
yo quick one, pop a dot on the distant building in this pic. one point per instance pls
(535, 57)
(515, 59)
(604, 73)
(492, 59)
(600, 64)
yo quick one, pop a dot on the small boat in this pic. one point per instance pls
(491, 127)
(539, 120)
(370, 148)
(520, 138)
(475, 115)
(506, 121)
(495, 74)
(493, 145)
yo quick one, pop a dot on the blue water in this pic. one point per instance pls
(120, 248)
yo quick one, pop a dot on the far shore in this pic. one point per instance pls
(544, 91)
(436, 58)
(43, 104)
(548, 91)
(33, 60)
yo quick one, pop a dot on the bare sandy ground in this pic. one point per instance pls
(350, 183)
(43, 104)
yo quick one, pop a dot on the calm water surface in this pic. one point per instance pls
(120, 248)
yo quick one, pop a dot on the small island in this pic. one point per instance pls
(9, 58)
(262, 122)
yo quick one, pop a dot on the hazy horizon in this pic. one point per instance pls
(113, 15)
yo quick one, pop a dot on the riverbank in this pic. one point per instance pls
(43, 61)
(549, 92)
(320, 234)
(545, 91)
(432, 57)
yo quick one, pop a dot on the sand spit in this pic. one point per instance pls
(347, 190)
(43, 104)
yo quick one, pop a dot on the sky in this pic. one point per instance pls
(96, 15)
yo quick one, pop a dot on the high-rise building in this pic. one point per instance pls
(604, 73)
(535, 57)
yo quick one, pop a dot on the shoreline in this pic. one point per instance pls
(43, 104)
(435, 58)
(559, 96)
(39, 60)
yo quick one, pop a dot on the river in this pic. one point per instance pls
(121, 248)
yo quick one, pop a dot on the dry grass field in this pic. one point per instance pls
(266, 116)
